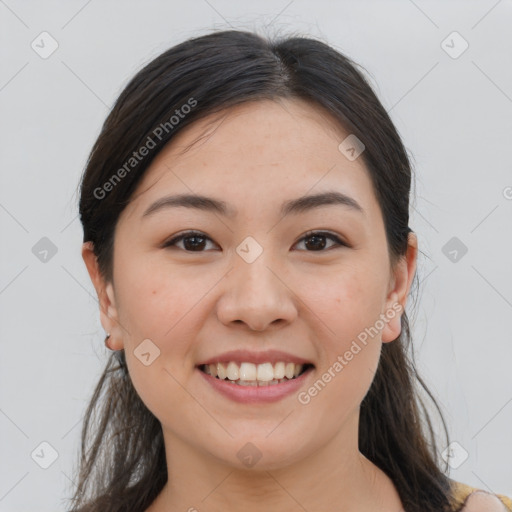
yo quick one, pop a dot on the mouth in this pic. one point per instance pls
(255, 375)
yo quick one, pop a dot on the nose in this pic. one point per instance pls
(257, 295)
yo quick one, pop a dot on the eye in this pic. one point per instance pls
(195, 241)
(317, 239)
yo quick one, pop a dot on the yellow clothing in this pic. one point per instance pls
(462, 491)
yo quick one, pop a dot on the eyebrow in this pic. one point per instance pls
(293, 206)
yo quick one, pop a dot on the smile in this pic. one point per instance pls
(253, 385)
(250, 374)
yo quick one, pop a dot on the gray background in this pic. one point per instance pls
(454, 115)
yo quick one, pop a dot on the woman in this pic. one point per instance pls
(245, 214)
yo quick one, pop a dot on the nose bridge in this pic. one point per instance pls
(254, 293)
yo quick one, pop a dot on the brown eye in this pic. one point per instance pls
(316, 241)
(193, 241)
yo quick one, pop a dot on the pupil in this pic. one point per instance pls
(195, 245)
(316, 237)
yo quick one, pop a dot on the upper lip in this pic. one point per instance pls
(267, 356)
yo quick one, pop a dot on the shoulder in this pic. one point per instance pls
(482, 501)
(472, 499)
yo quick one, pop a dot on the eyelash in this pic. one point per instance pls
(309, 234)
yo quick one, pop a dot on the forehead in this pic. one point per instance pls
(256, 153)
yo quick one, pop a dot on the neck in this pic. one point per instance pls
(335, 476)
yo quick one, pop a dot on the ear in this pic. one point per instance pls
(106, 297)
(401, 281)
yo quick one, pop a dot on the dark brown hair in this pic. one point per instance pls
(122, 466)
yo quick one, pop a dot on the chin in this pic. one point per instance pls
(258, 452)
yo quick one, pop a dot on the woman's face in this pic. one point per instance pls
(251, 280)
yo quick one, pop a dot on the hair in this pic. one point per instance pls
(122, 463)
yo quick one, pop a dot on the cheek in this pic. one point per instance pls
(346, 301)
(157, 308)
(151, 299)
(347, 308)
(165, 306)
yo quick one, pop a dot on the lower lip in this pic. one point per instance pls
(256, 394)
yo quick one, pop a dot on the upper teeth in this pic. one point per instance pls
(250, 371)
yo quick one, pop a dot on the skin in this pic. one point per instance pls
(482, 501)
(296, 296)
